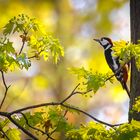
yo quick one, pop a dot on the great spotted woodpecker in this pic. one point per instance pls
(120, 71)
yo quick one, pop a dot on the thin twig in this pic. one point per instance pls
(34, 106)
(21, 128)
(23, 41)
(71, 94)
(87, 114)
(35, 127)
(83, 92)
(6, 88)
(9, 116)
(34, 56)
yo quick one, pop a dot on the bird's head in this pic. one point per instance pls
(105, 42)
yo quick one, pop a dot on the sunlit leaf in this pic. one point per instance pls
(13, 134)
(8, 28)
(92, 81)
(47, 46)
(23, 61)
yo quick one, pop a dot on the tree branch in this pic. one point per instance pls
(34, 106)
(71, 94)
(23, 41)
(6, 88)
(9, 114)
(4, 134)
(21, 128)
(34, 56)
(87, 114)
(35, 127)
(66, 106)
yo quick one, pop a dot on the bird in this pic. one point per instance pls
(120, 72)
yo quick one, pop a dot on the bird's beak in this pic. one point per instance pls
(97, 40)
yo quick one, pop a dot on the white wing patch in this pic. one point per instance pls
(108, 46)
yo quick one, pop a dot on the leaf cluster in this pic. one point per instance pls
(125, 51)
(46, 46)
(97, 131)
(12, 133)
(40, 44)
(58, 120)
(92, 81)
(22, 23)
(30, 32)
(32, 118)
(87, 132)
(136, 106)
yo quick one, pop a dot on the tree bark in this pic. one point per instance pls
(135, 74)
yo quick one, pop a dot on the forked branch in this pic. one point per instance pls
(62, 103)
(6, 88)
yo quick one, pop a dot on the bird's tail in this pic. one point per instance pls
(124, 80)
(125, 87)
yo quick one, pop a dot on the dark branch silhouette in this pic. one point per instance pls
(6, 88)
(62, 103)
(20, 127)
(37, 129)
(4, 134)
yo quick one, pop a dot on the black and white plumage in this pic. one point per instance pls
(113, 62)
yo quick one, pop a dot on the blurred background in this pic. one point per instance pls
(75, 23)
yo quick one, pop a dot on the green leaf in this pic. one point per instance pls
(56, 49)
(8, 28)
(136, 106)
(91, 131)
(80, 72)
(13, 134)
(33, 119)
(58, 120)
(46, 46)
(8, 47)
(21, 23)
(23, 61)
(92, 81)
(45, 55)
(4, 122)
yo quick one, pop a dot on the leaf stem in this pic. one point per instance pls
(23, 41)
